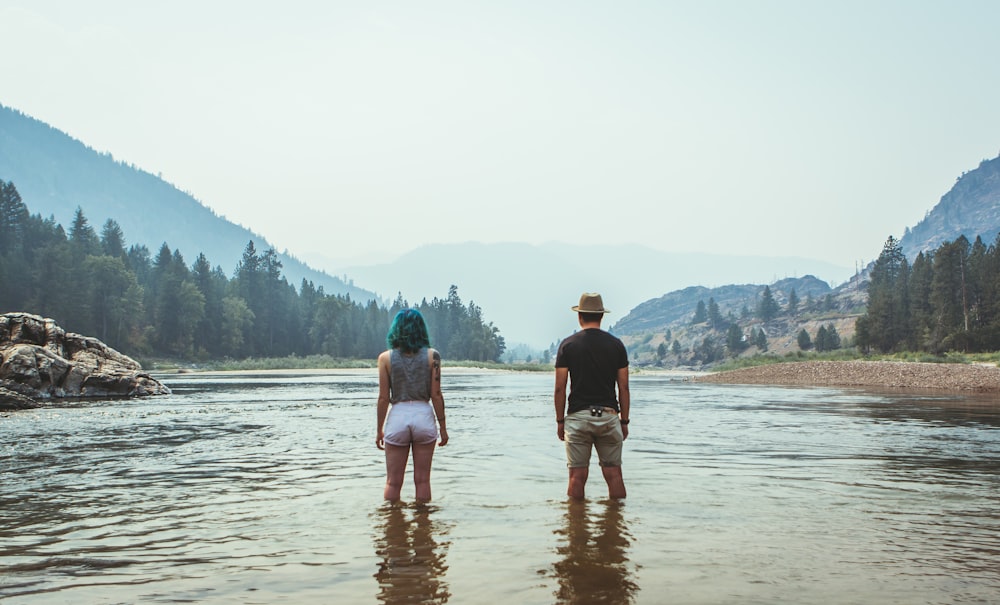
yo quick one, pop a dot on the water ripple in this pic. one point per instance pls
(266, 489)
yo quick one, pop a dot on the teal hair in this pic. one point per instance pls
(408, 332)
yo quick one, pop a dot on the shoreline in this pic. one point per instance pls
(974, 378)
(955, 377)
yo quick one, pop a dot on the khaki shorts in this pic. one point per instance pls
(584, 432)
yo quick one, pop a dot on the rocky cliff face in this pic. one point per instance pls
(971, 208)
(39, 361)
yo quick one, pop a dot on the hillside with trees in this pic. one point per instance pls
(699, 327)
(60, 174)
(935, 291)
(146, 304)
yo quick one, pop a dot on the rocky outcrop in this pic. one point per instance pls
(39, 361)
(971, 208)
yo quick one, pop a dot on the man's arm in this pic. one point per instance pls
(624, 399)
(562, 378)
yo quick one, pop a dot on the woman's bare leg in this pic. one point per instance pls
(395, 469)
(422, 455)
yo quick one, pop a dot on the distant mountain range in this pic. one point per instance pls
(55, 174)
(525, 290)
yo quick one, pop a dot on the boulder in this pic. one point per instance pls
(39, 361)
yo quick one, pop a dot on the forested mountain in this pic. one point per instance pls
(698, 326)
(971, 208)
(56, 174)
(680, 305)
(163, 304)
(935, 291)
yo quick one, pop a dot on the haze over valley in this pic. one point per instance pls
(524, 289)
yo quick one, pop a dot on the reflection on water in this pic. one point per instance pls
(412, 553)
(594, 565)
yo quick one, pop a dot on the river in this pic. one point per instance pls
(266, 488)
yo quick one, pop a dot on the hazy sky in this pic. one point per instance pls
(353, 130)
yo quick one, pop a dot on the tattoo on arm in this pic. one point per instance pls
(437, 366)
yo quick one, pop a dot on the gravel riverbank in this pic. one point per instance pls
(887, 374)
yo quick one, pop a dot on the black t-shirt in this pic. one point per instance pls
(593, 357)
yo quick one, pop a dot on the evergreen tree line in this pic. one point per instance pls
(947, 300)
(157, 305)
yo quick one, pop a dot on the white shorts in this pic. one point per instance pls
(410, 422)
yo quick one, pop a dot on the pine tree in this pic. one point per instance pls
(700, 313)
(83, 239)
(888, 323)
(793, 303)
(714, 316)
(820, 343)
(804, 341)
(921, 310)
(949, 296)
(14, 222)
(112, 239)
(760, 340)
(991, 298)
(832, 338)
(734, 340)
(767, 308)
(13, 219)
(212, 284)
(113, 297)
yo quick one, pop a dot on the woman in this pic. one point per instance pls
(409, 400)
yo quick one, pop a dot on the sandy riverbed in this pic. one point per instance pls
(887, 374)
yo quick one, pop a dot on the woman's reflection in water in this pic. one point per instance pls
(594, 567)
(413, 556)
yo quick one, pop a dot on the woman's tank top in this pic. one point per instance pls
(409, 376)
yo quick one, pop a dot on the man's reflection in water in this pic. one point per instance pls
(595, 566)
(413, 557)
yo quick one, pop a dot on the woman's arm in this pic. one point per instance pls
(437, 398)
(383, 399)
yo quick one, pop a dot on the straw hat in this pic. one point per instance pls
(590, 302)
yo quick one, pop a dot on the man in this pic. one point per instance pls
(594, 363)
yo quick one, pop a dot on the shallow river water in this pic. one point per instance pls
(250, 488)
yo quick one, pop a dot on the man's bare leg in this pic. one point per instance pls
(616, 483)
(577, 481)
